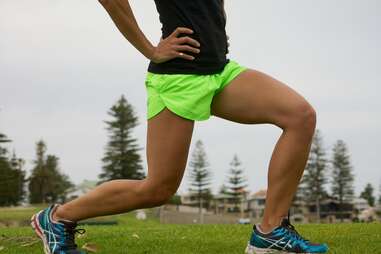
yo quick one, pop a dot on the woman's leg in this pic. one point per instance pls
(168, 140)
(253, 98)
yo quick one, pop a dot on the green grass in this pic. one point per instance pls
(132, 236)
(18, 213)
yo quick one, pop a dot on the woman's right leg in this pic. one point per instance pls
(168, 141)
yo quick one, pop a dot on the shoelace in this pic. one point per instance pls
(70, 232)
(291, 229)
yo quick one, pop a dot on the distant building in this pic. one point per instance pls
(189, 200)
(360, 204)
(253, 207)
(299, 212)
(256, 204)
(223, 203)
(330, 211)
(368, 215)
(364, 212)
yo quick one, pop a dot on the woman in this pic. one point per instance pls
(189, 78)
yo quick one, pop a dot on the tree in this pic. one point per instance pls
(3, 151)
(47, 183)
(175, 200)
(342, 176)
(19, 179)
(200, 176)
(39, 179)
(12, 177)
(60, 183)
(5, 174)
(314, 179)
(236, 182)
(299, 198)
(368, 194)
(121, 159)
(223, 189)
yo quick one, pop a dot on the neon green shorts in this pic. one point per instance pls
(187, 95)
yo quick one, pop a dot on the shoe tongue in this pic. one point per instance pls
(285, 222)
(68, 223)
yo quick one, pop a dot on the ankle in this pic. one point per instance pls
(59, 214)
(267, 226)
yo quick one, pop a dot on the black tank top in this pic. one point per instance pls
(206, 19)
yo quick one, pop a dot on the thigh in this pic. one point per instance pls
(168, 140)
(254, 97)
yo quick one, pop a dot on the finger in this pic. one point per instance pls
(187, 48)
(181, 30)
(188, 40)
(184, 56)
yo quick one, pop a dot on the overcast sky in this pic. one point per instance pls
(63, 64)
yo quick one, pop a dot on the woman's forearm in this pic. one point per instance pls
(123, 17)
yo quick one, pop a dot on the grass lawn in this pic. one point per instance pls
(132, 236)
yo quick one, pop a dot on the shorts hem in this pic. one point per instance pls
(180, 112)
(235, 74)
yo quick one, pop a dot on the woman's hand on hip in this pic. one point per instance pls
(176, 47)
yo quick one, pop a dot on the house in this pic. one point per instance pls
(368, 215)
(227, 203)
(255, 204)
(223, 203)
(299, 211)
(331, 211)
(360, 204)
(364, 212)
(189, 200)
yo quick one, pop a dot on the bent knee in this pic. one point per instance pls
(303, 118)
(156, 195)
(161, 196)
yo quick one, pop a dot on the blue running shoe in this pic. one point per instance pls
(57, 236)
(283, 239)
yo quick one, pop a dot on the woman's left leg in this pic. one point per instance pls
(254, 98)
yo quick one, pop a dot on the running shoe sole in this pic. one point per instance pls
(253, 250)
(39, 232)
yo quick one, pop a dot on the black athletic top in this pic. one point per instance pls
(206, 19)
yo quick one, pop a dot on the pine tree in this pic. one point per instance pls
(236, 182)
(223, 189)
(39, 179)
(19, 179)
(12, 177)
(47, 183)
(60, 183)
(342, 176)
(368, 194)
(200, 176)
(4, 172)
(299, 198)
(3, 151)
(315, 179)
(121, 159)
